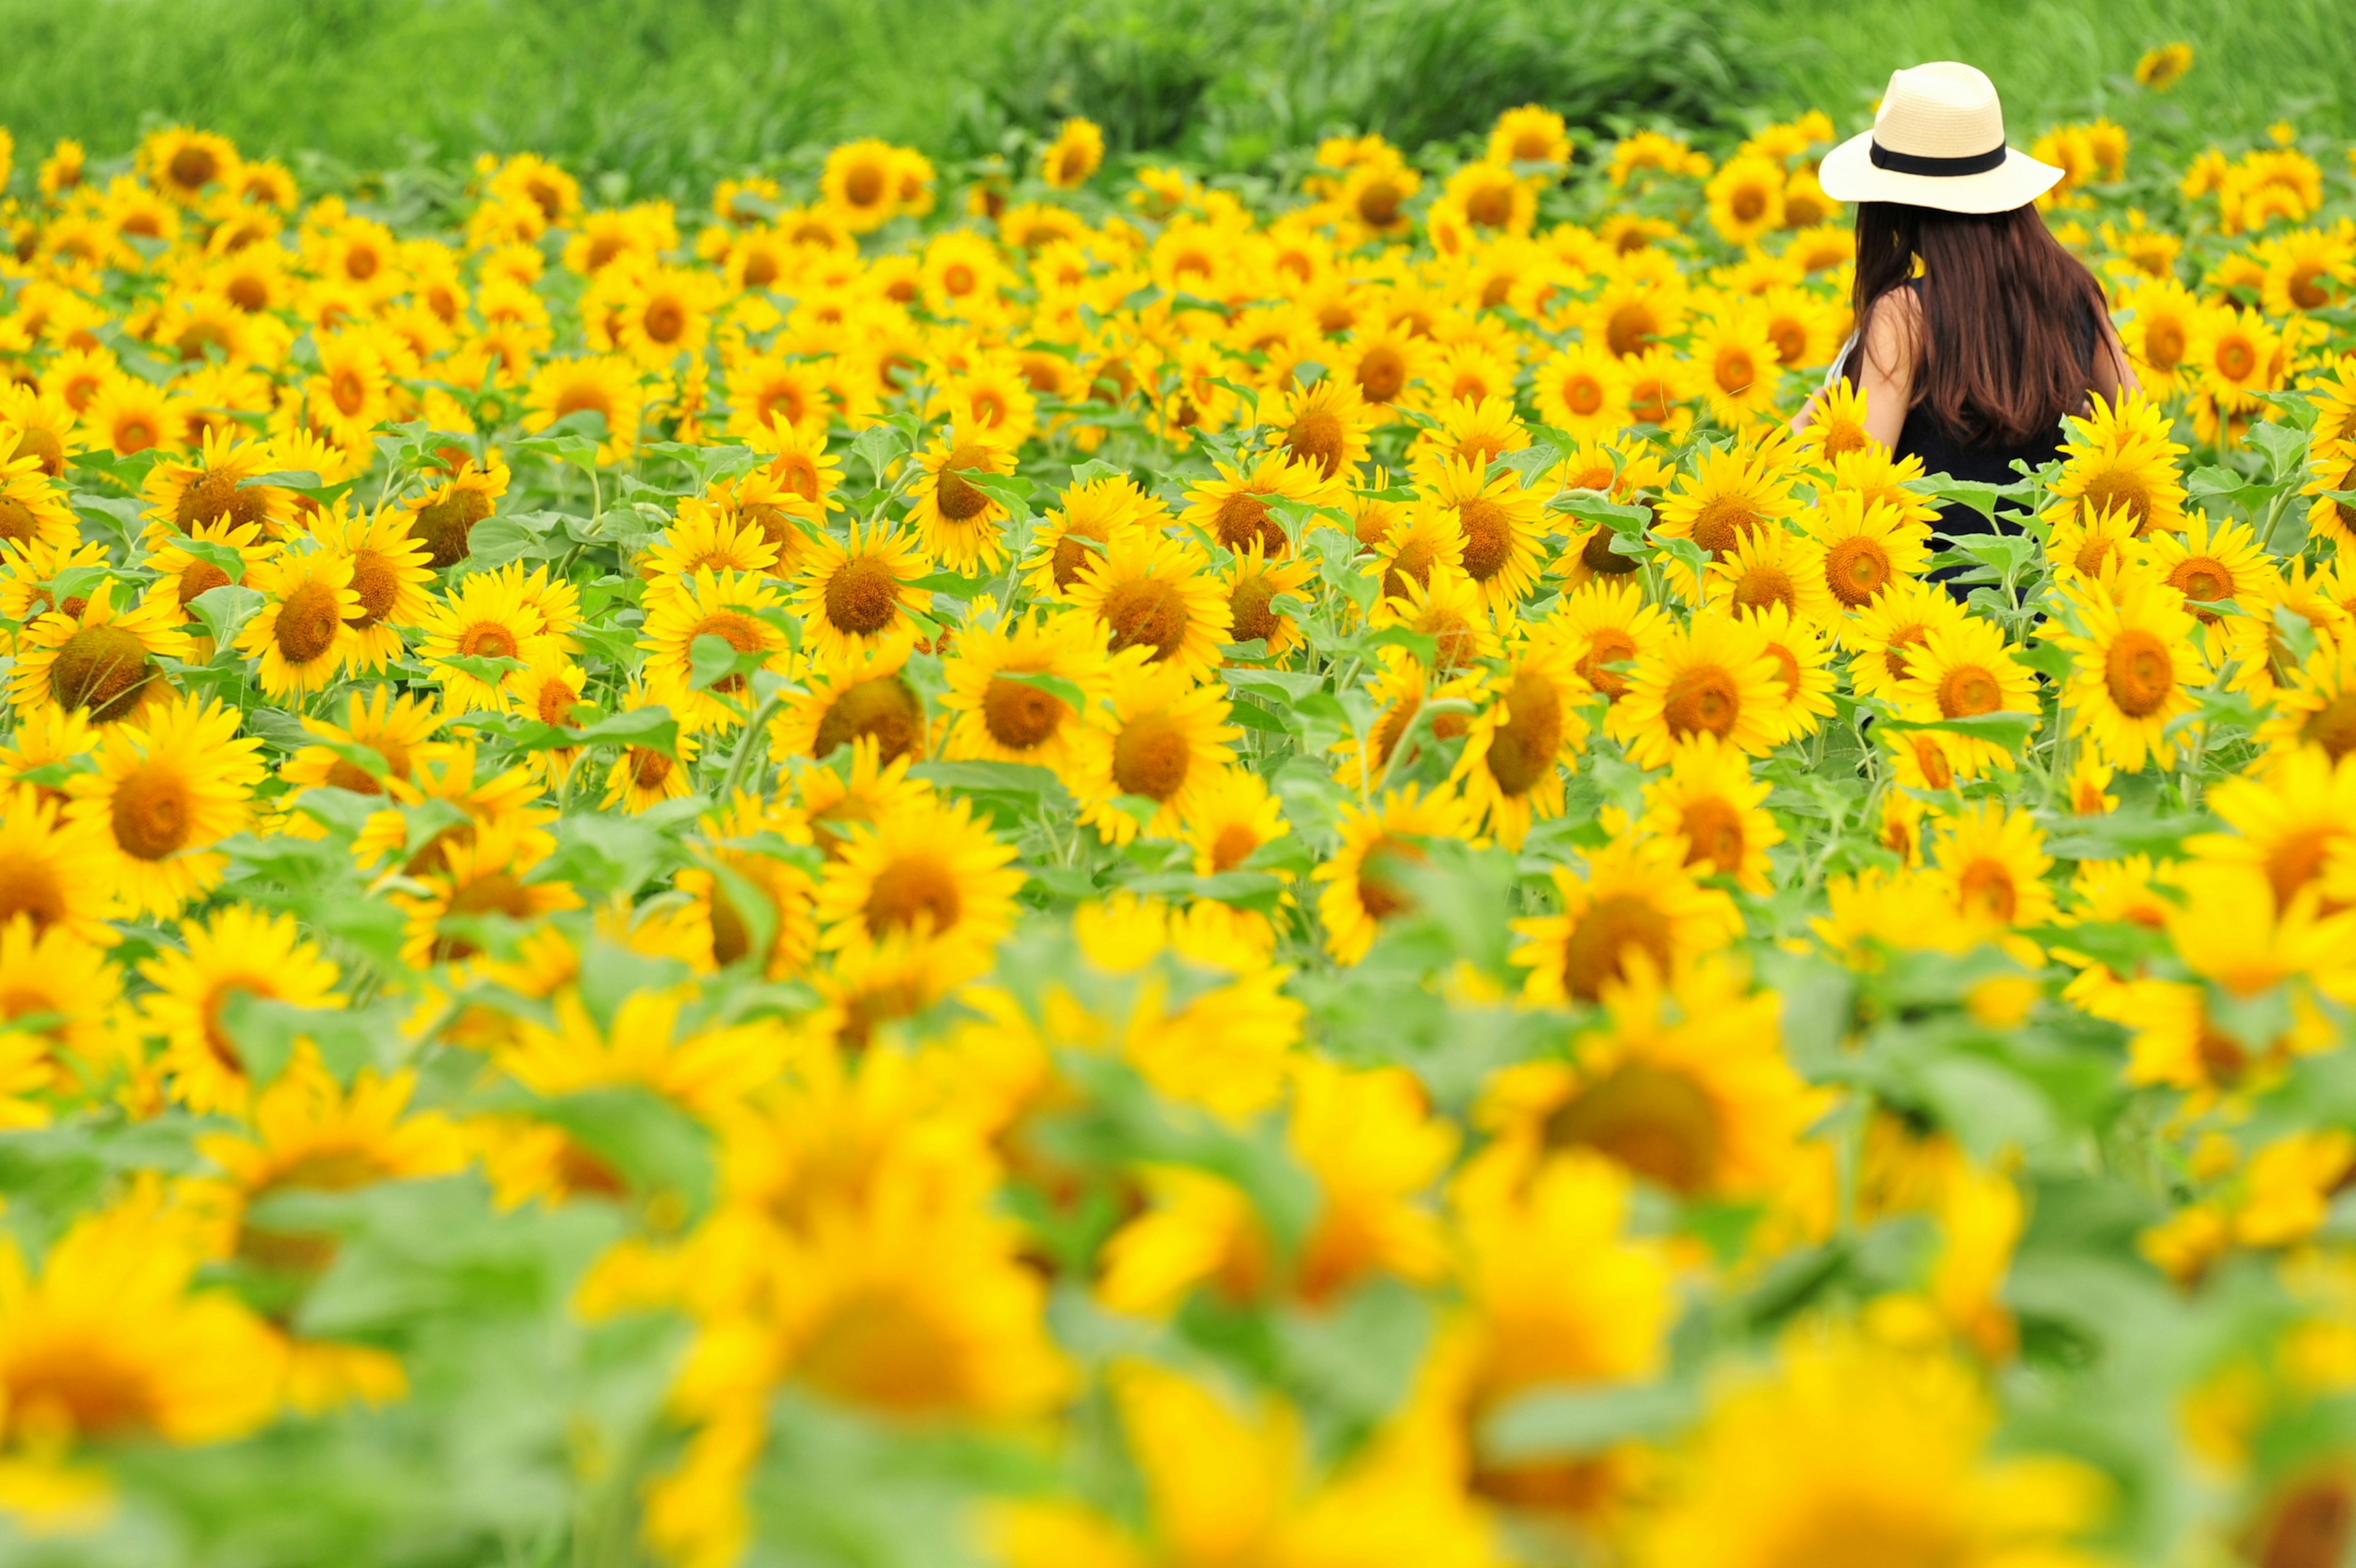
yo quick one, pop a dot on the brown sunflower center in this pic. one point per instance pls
(1714, 836)
(1608, 645)
(194, 167)
(1232, 846)
(862, 596)
(82, 1387)
(1491, 205)
(307, 622)
(1702, 699)
(1249, 615)
(1072, 553)
(151, 813)
(1522, 749)
(1379, 894)
(664, 320)
(1319, 437)
(488, 640)
(1725, 521)
(377, 585)
(1748, 203)
(1735, 369)
(881, 706)
(29, 887)
(1413, 560)
(215, 494)
(2164, 342)
(1631, 328)
(1968, 689)
(1893, 653)
(102, 669)
(2203, 578)
(1146, 611)
(1765, 585)
(1855, 569)
(1986, 888)
(1488, 537)
(444, 525)
(1615, 932)
(1382, 374)
(1598, 555)
(2118, 489)
(2332, 726)
(1378, 203)
(2139, 673)
(1020, 718)
(914, 893)
(650, 769)
(2236, 358)
(1152, 756)
(959, 501)
(198, 577)
(16, 520)
(498, 892)
(740, 631)
(1658, 1124)
(1243, 517)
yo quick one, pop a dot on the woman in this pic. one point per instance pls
(1971, 364)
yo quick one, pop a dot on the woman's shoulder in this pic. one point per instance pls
(1895, 320)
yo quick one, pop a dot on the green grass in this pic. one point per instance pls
(663, 95)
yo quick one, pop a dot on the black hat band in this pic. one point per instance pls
(1913, 163)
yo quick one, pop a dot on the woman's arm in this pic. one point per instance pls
(1885, 369)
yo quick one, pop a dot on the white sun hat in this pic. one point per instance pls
(1938, 141)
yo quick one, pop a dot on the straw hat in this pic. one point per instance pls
(1937, 142)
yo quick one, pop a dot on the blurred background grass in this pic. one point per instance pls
(664, 95)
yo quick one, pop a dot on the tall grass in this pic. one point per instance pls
(665, 95)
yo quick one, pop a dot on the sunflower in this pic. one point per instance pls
(2090, 548)
(33, 506)
(1730, 494)
(488, 615)
(643, 777)
(958, 523)
(1232, 818)
(1963, 670)
(1233, 511)
(1887, 633)
(1375, 196)
(1154, 593)
(1493, 196)
(1771, 568)
(850, 698)
(192, 569)
(169, 786)
(1530, 134)
(1582, 390)
(399, 728)
(1746, 198)
(1447, 608)
(443, 520)
(1253, 586)
(1408, 551)
(1636, 918)
(300, 633)
(2123, 460)
(1157, 737)
(1635, 311)
(2317, 705)
(1385, 366)
(62, 1024)
(606, 385)
(1739, 364)
(1992, 866)
(2237, 356)
(1497, 520)
(1528, 730)
(1709, 801)
(854, 596)
(1836, 426)
(128, 416)
(2134, 668)
(934, 875)
(736, 607)
(1803, 674)
(1400, 691)
(1868, 548)
(1015, 720)
(216, 486)
(1323, 427)
(1606, 627)
(487, 875)
(236, 951)
(1712, 677)
(56, 868)
(2298, 825)
(706, 537)
(2333, 465)
(1362, 891)
(2162, 333)
(452, 775)
(1093, 513)
(2214, 563)
(990, 397)
(100, 660)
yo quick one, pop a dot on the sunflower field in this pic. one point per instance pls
(1041, 862)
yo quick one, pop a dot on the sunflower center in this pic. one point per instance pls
(1702, 699)
(960, 502)
(1763, 585)
(1630, 328)
(1249, 615)
(1379, 895)
(488, 640)
(1522, 749)
(444, 525)
(2116, 489)
(496, 892)
(1724, 521)
(1657, 1124)
(650, 769)
(1488, 537)
(1616, 931)
(199, 577)
(2139, 673)
(2203, 578)
(349, 390)
(1413, 560)
(1968, 689)
(582, 397)
(1146, 611)
(1598, 555)
(2299, 859)
(1072, 553)
(1243, 517)
(104, 668)
(1986, 888)
(2163, 344)
(1491, 206)
(1020, 718)
(377, 585)
(151, 813)
(1151, 757)
(2332, 726)
(212, 496)
(194, 167)
(1790, 338)
(1855, 569)
(1319, 437)
(1378, 203)
(30, 887)
(665, 320)
(740, 631)
(862, 596)
(1748, 204)
(308, 621)
(16, 520)
(1893, 653)
(1232, 847)
(881, 706)
(1382, 374)
(1607, 646)
(914, 894)
(2236, 358)
(78, 1386)
(1713, 830)
(1735, 368)
(1932, 758)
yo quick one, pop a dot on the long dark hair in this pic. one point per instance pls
(2010, 320)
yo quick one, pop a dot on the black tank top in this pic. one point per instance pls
(1945, 450)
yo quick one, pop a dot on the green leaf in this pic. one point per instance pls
(225, 610)
(1553, 1422)
(1062, 687)
(956, 587)
(2011, 731)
